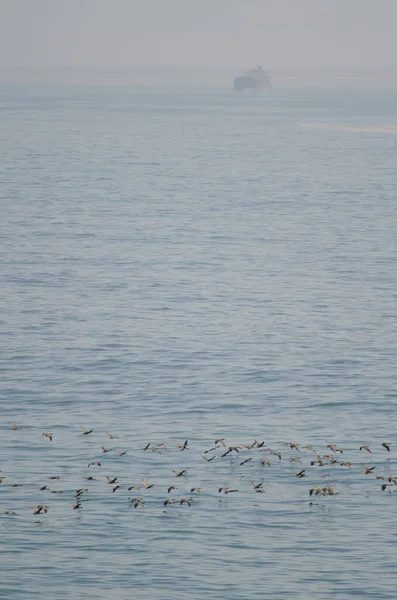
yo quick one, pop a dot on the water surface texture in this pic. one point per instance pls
(194, 265)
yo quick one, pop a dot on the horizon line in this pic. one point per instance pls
(196, 67)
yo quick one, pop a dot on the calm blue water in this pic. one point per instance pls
(197, 264)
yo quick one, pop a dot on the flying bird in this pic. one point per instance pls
(187, 501)
(39, 509)
(368, 470)
(147, 485)
(169, 501)
(208, 459)
(180, 473)
(86, 431)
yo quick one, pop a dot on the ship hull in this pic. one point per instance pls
(243, 83)
(255, 79)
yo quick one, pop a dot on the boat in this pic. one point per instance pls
(253, 79)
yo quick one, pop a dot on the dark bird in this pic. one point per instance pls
(49, 435)
(172, 487)
(94, 462)
(169, 501)
(44, 487)
(121, 452)
(250, 446)
(208, 459)
(111, 480)
(256, 486)
(76, 505)
(211, 449)
(106, 449)
(230, 450)
(220, 441)
(335, 448)
(133, 487)
(39, 509)
(245, 461)
(181, 446)
(368, 470)
(367, 448)
(117, 487)
(226, 490)
(195, 489)
(187, 501)
(86, 431)
(317, 490)
(387, 446)
(179, 473)
(301, 473)
(278, 454)
(226, 453)
(385, 486)
(293, 446)
(147, 485)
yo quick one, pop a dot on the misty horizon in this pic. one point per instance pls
(225, 34)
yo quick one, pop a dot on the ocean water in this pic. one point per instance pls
(194, 264)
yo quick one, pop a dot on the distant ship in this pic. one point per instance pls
(254, 79)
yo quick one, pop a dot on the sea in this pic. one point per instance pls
(203, 279)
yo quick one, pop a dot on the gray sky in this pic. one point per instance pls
(128, 33)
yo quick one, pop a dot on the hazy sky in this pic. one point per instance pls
(127, 33)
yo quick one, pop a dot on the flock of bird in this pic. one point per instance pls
(318, 466)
